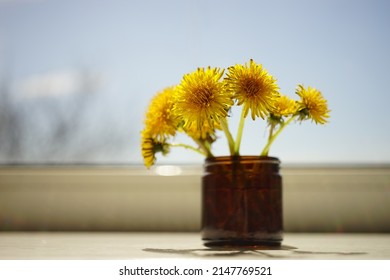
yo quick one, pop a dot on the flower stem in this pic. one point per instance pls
(206, 148)
(271, 131)
(189, 147)
(272, 137)
(239, 133)
(229, 137)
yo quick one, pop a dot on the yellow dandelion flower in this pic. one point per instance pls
(253, 87)
(284, 107)
(160, 118)
(201, 99)
(150, 146)
(312, 105)
(206, 133)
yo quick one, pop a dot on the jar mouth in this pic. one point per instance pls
(242, 159)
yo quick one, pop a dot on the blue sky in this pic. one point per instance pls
(137, 48)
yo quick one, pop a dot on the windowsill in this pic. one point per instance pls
(343, 199)
(60, 245)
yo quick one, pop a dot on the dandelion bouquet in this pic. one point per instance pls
(199, 106)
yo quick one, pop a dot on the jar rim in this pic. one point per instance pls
(244, 158)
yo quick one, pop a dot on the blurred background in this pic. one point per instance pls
(76, 76)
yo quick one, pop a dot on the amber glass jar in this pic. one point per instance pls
(242, 202)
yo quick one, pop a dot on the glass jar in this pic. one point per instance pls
(242, 202)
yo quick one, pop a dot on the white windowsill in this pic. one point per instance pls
(344, 199)
(157, 245)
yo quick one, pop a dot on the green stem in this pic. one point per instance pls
(204, 147)
(239, 134)
(189, 147)
(274, 136)
(229, 137)
(271, 131)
